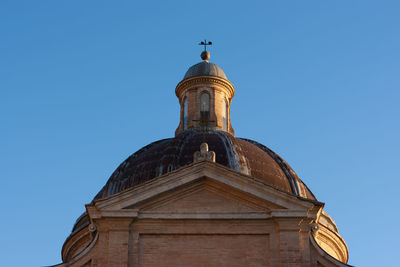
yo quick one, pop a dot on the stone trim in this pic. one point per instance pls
(334, 240)
(209, 80)
(326, 255)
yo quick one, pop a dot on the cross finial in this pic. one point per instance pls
(205, 43)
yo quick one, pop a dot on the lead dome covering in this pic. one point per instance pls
(242, 155)
(205, 68)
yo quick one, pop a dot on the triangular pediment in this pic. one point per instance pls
(206, 196)
(204, 188)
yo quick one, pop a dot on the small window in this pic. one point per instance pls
(204, 105)
(185, 113)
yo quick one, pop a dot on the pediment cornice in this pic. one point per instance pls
(283, 203)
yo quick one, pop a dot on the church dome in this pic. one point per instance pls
(239, 154)
(205, 68)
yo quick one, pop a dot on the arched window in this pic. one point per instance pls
(225, 115)
(185, 113)
(204, 105)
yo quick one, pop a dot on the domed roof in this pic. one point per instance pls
(242, 155)
(205, 68)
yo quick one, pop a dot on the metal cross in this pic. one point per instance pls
(205, 43)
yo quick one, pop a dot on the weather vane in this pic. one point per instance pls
(205, 43)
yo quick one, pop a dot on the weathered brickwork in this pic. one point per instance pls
(204, 250)
(221, 94)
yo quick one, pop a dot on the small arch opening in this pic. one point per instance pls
(204, 106)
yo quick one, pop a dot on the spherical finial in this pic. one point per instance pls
(205, 55)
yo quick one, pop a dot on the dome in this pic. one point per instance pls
(239, 154)
(205, 68)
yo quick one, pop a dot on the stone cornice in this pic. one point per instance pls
(201, 170)
(183, 85)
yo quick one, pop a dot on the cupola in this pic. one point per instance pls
(205, 97)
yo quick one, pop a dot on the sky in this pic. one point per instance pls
(84, 84)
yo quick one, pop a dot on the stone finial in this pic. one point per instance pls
(204, 154)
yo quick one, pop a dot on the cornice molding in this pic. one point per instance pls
(198, 171)
(209, 80)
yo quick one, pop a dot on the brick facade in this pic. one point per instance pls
(200, 215)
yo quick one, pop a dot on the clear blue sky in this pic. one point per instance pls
(84, 84)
